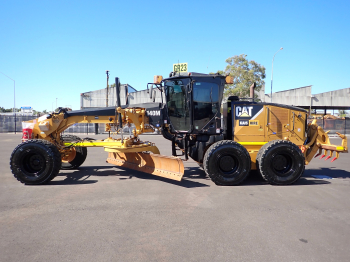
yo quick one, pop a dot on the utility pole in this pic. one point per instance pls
(107, 73)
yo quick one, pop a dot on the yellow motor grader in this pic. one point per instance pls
(272, 138)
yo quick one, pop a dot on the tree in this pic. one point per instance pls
(3, 110)
(244, 74)
(342, 113)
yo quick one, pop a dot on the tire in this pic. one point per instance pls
(80, 153)
(227, 163)
(35, 162)
(258, 157)
(281, 162)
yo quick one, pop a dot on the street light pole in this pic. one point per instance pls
(107, 73)
(14, 99)
(272, 70)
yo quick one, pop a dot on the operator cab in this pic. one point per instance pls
(191, 113)
(193, 102)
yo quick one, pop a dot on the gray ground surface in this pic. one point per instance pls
(104, 213)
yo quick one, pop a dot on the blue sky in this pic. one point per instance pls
(59, 49)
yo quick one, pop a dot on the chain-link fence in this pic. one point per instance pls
(8, 124)
(334, 125)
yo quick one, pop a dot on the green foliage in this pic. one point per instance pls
(343, 113)
(4, 110)
(244, 73)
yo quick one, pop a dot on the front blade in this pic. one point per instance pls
(164, 166)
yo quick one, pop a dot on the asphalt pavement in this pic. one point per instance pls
(101, 212)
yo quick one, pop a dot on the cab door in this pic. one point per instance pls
(178, 97)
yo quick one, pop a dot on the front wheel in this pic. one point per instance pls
(35, 162)
(227, 163)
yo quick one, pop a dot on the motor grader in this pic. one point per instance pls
(275, 139)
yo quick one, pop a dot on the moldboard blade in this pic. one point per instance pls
(164, 166)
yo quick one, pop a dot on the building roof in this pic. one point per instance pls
(303, 97)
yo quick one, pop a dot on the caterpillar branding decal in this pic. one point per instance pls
(153, 113)
(247, 112)
(248, 122)
(244, 122)
(253, 122)
(244, 111)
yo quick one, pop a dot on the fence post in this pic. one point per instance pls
(345, 125)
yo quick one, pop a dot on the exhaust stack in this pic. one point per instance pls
(252, 87)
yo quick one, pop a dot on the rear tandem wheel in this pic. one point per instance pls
(280, 162)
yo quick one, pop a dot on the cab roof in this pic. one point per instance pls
(173, 75)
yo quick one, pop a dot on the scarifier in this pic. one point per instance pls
(272, 138)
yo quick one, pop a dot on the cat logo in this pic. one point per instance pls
(244, 111)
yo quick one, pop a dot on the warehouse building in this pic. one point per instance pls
(301, 97)
(128, 95)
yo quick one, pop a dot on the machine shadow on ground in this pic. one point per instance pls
(84, 174)
(331, 172)
(255, 179)
(193, 177)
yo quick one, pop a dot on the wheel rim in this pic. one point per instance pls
(69, 155)
(33, 163)
(227, 163)
(282, 164)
